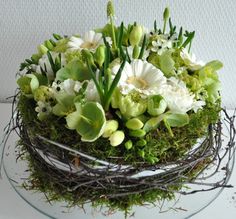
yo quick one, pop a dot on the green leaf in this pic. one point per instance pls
(153, 123)
(215, 65)
(177, 120)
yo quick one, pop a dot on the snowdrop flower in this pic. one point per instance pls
(142, 77)
(45, 65)
(190, 60)
(178, 97)
(90, 41)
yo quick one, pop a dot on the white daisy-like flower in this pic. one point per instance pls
(45, 65)
(142, 77)
(90, 41)
(178, 97)
(162, 44)
(190, 60)
(69, 86)
(130, 50)
(43, 109)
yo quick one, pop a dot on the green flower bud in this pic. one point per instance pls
(166, 13)
(141, 143)
(141, 153)
(117, 138)
(156, 105)
(88, 56)
(42, 49)
(110, 9)
(137, 133)
(128, 145)
(48, 44)
(111, 126)
(135, 35)
(136, 51)
(35, 57)
(134, 124)
(43, 94)
(99, 55)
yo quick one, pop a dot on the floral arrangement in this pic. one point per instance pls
(115, 105)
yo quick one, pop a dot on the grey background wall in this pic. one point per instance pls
(26, 23)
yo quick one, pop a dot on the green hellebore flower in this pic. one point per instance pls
(65, 104)
(88, 120)
(156, 105)
(111, 126)
(117, 138)
(135, 35)
(129, 105)
(61, 46)
(75, 70)
(30, 82)
(134, 124)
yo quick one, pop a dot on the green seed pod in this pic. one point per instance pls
(42, 49)
(111, 126)
(141, 143)
(137, 133)
(136, 51)
(128, 145)
(134, 124)
(135, 35)
(117, 138)
(48, 44)
(99, 55)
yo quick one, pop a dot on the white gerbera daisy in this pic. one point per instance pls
(178, 97)
(90, 41)
(190, 60)
(142, 77)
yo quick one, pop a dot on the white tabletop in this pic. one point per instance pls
(12, 206)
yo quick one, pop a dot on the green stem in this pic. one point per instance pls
(113, 33)
(164, 28)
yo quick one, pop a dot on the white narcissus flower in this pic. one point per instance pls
(45, 65)
(142, 77)
(190, 60)
(178, 97)
(90, 41)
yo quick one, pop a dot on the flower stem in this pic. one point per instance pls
(113, 33)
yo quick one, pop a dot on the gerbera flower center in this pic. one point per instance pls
(88, 45)
(137, 82)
